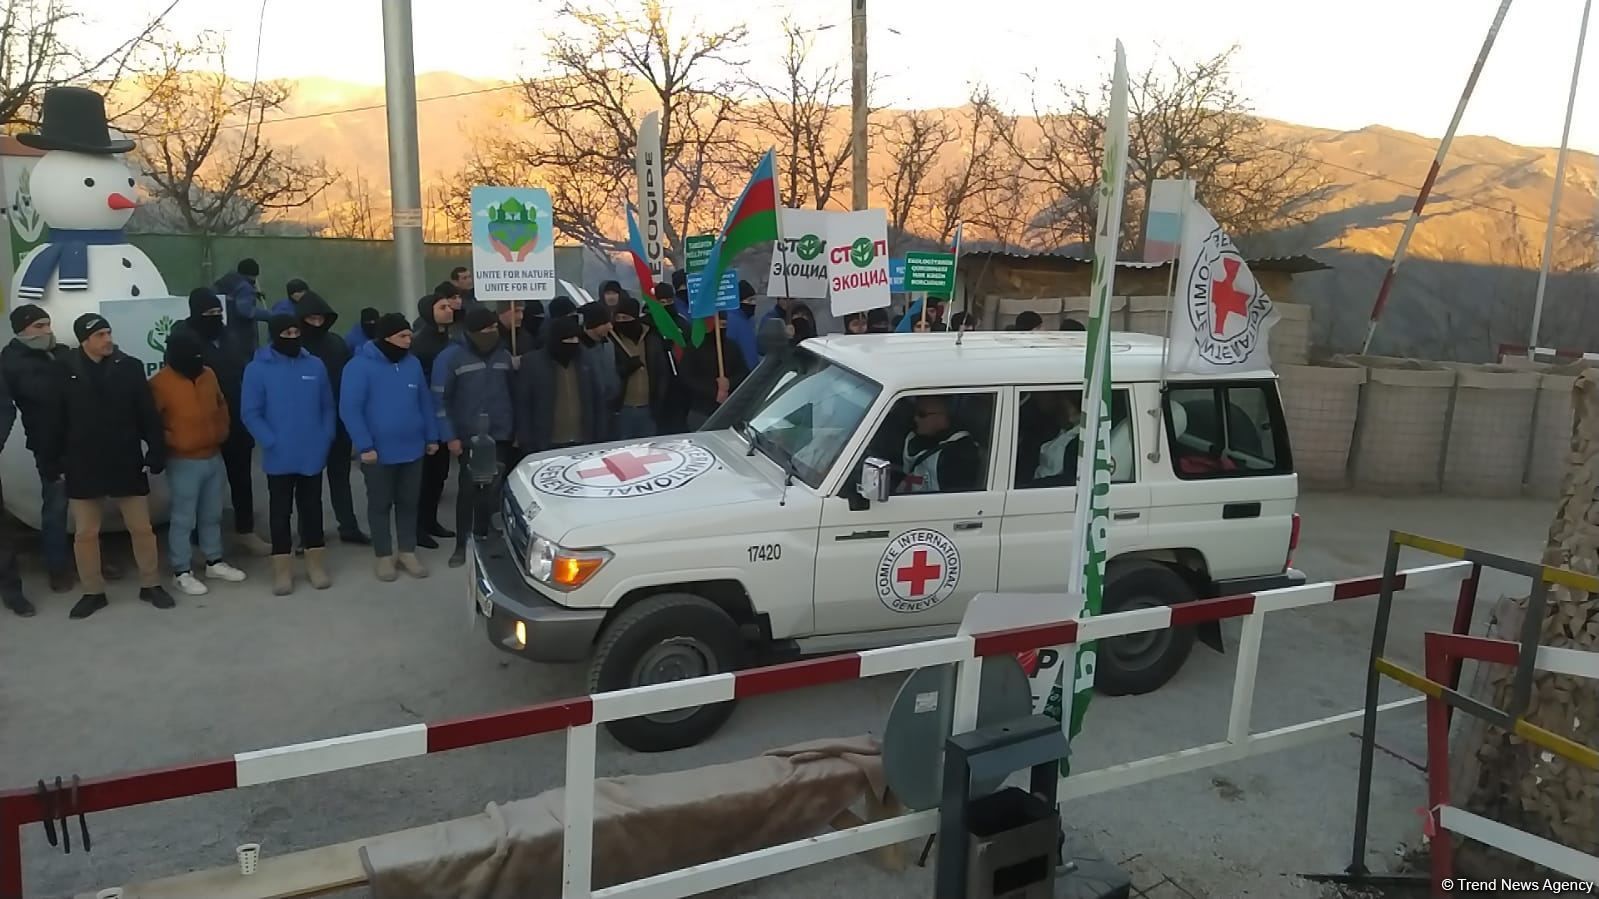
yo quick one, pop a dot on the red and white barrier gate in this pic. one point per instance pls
(580, 717)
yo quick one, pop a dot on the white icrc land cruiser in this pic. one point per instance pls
(858, 491)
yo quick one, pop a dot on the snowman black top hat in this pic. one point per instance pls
(74, 120)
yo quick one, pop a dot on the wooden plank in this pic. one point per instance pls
(314, 872)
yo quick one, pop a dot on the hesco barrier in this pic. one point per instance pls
(580, 717)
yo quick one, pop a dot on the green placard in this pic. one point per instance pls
(697, 252)
(930, 273)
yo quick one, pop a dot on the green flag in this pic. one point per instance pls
(1091, 517)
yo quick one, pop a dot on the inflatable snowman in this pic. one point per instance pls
(86, 193)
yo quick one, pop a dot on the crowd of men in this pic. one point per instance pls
(401, 399)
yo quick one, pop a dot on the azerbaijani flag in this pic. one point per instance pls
(752, 220)
(665, 325)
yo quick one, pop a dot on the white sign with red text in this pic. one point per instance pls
(857, 261)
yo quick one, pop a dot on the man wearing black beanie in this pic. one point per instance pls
(111, 440)
(34, 366)
(475, 376)
(644, 373)
(244, 300)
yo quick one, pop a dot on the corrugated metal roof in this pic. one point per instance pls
(1296, 264)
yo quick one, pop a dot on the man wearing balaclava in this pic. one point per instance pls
(741, 328)
(289, 409)
(244, 300)
(474, 376)
(363, 329)
(388, 409)
(434, 330)
(610, 293)
(707, 387)
(194, 419)
(561, 399)
(35, 367)
(317, 319)
(111, 441)
(643, 369)
(226, 354)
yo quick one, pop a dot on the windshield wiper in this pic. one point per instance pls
(743, 429)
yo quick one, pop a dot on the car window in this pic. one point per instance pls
(1227, 430)
(937, 443)
(800, 412)
(1048, 435)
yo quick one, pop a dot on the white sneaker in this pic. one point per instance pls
(191, 585)
(222, 571)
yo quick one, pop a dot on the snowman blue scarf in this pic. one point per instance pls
(66, 253)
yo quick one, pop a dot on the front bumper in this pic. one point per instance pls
(503, 598)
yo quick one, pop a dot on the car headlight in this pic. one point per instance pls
(562, 568)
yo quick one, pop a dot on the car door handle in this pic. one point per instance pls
(1126, 516)
(968, 525)
(862, 535)
(1240, 510)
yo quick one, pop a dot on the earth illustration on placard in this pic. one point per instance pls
(513, 229)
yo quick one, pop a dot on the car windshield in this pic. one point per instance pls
(799, 412)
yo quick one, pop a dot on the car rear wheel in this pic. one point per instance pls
(1141, 663)
(666, 638)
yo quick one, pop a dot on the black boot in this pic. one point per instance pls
(458, 558)
(18, 604)
(157, 596)
(354, 537)
(425, 541)
(434, 529)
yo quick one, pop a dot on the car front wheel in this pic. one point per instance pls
(665, 638)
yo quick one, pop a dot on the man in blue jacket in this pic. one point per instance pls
(474, 375)
(363, 329)
(292, 294)
(387, 407)
(244, 300)
(289, 410)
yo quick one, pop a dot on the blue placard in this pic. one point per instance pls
(896, 275)
(726, 293)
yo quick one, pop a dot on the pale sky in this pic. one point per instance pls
(1338, 65)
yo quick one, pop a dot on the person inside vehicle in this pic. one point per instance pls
(938, 457)
(1057, 455)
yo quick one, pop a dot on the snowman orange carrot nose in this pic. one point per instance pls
(118, 201)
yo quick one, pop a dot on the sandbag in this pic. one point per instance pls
(643, 825)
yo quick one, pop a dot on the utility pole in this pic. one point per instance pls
(857, 137)
(405, 167)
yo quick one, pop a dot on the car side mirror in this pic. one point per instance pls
(875, 480)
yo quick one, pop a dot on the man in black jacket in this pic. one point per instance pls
(11, 595)
(435, 327)
(319, 339)
(562, 398)
(644, 371)
(111, 439)
(35, 371)
(226, 354)
(708, 385)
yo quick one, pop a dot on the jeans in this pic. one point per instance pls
(435, 471)
(86, 515)
(10, 578)
(196, 487)
(53, 524)
(238, 453)
(392, 488)
(339, 482)
(635, 423)
(287, 493)
(468, 496)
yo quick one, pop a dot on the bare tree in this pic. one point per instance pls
(35, 55)
(962, 193)
(1184, 120)
(202, 149)
(356, 215)
(807, 114)
(912, 142)
(610, 66)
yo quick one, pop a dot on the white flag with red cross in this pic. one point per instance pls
(1221, 318)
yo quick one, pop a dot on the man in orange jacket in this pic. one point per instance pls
(195, 418)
